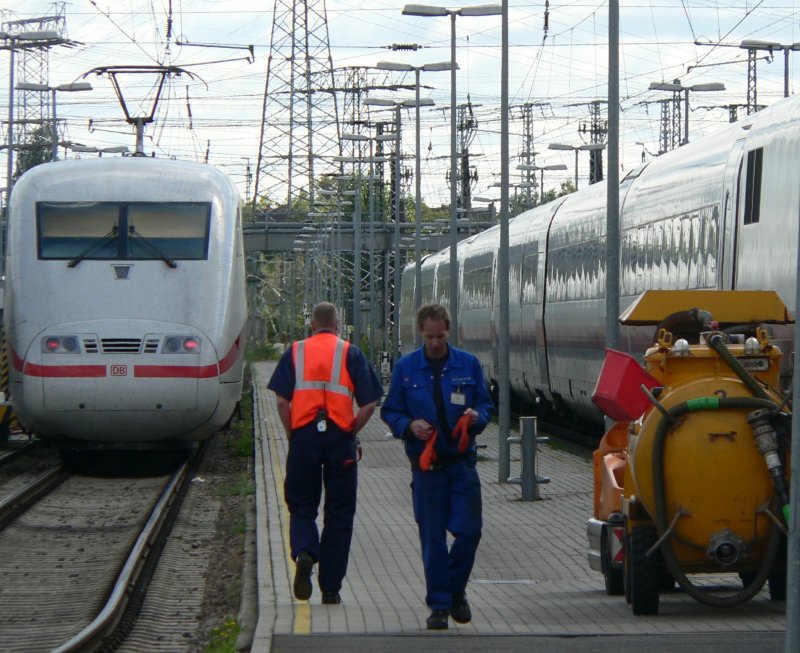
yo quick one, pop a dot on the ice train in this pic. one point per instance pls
(124, 301)
(719, 213)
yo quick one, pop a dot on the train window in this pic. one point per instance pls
(78, 231)
(178, 230)
(752, 200)
(66, 230)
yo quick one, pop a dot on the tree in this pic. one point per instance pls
(567, 187)
(37, 149)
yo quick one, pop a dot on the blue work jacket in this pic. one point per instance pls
(410, 397)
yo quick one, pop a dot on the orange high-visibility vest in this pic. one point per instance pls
(322, 381)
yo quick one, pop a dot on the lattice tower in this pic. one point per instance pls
(597, 130)
(752, 82)
(299, 124)
(32, 109)
(664, 134)
(527, 156)
(467, 126)
(677, 121)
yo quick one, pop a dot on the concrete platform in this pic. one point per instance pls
(531, 576)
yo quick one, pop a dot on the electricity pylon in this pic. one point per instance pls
(299, 124)
(30, 62)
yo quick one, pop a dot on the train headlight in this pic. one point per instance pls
(181, 345)
(60, 345)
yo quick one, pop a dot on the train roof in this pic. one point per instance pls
(120, 178)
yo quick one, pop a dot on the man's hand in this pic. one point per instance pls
(421, 429)
(473, 415)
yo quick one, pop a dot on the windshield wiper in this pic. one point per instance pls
(133, 234)
(109, 238)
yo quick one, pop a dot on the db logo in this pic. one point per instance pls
(119, 370)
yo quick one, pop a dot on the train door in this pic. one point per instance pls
(532, 353)
(765, 247)
(728, 226)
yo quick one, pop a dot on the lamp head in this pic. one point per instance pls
(481, 10)
(424, 10)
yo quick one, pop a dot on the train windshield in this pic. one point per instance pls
(78, 231)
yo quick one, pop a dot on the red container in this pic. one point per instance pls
(618, 392)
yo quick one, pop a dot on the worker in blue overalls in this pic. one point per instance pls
(316, 382)
(437, 403)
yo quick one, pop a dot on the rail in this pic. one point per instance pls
(18, 502)
(8, 454)
(103, 632)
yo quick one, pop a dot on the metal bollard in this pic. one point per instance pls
(529, 480)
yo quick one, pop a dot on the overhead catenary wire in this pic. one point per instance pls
(575, 31)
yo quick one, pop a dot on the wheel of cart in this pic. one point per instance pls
(644, 571)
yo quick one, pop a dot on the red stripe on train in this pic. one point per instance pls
(230, 358)
(65, 371)
(174, 371)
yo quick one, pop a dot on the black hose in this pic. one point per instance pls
(717, 343)
(659, 498)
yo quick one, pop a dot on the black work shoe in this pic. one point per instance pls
(460, 609)
(302, 576)
(331, 598)
(437, 620)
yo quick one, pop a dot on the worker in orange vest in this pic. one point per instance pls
(315, 383)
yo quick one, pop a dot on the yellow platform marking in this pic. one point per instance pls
(302, 609)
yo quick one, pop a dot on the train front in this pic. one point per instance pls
(124, 301)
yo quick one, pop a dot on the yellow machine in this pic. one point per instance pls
(691, 478)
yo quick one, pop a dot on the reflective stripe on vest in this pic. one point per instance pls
(332, 385)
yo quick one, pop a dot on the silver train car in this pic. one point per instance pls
(719, 213)
(124, 301)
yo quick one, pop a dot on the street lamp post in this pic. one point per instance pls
(436, 11)
(71, 88)
(357, 235)
(396, 180)
(588, 147)
(429, 67)
(751, 45)
(396, 239)
(31, 38)
(676, 89)
(541, 169)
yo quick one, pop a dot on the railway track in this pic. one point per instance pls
(79, 554)
(8, 454)
(18, 501)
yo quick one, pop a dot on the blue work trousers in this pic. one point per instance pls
(316, 459)
(447, 499)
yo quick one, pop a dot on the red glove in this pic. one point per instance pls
(461, 431)
(428, 455)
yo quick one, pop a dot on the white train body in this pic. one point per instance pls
(719, 213)
(125, 302)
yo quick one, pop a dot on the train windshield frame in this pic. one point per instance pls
(130, 231)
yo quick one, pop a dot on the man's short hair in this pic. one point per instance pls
(325, 316)
(435, 312)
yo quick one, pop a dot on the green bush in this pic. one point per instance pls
(223, 638)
